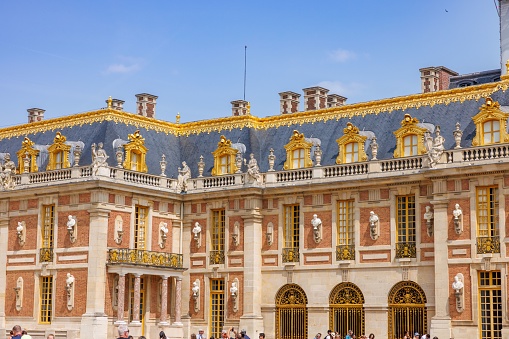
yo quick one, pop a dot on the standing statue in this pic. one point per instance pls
(99, 157)
(183, 177)
(6, 173)
(434, 147)
(195, 289)
(252, 169)
(374, 148)
(373, 223)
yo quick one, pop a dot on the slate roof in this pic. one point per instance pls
(476, 78)
(258, 141)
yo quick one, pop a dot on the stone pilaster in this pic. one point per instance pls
(252, 319)
(164, 301)
(95, 322)
(136, 306)
(441, 322)
(178, 302)
(4, 228)
(121, 299)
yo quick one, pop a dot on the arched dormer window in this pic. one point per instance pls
(135, 153)
(27, 150)
(351, 146)
(409, 138)
(490, 124)
(298, 152)
(224, 157)
(58, 153)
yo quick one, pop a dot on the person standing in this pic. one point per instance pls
(244, 335)
(16, 332)
(201, 334)
(123, 331)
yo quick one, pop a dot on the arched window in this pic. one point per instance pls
(490, 124)
(224, 157)
(298, 152)
(409, 138)
(407, 310)
(291, 313)
(346, 303)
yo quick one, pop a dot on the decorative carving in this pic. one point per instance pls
(119, 232)
(298, 152)
(318, 156)
(490, 112)
(409, 128)
(162, 163)
(374, 228)
(99, 157)
(72, 224)
(77, 155)
(346, 293)
(27, 150)
(317, 228)
(58, 153)
(197, 234)
(428, 216)
(201, 167)
(457, 133)
(253, 171)
(69, 287)
(135, 153)
(144, 258)
(163, 234)
(236, 233)
(373, 145)
(270, 233)
(183, 178)
(434, 147)
(458, 219)
(458, 287)
(291, 294)
(196, 294)
(345, 252)
(351, 146)
(21, 232)
(224, 157)
(272, 160)
(7, 171)
(234, 293)
(19, 294)
(290, 254)
(406, 250)
(119, 155)
(238, 162)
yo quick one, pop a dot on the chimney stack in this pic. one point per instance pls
(315, 98)
(35, 114)
(146, 105)
(289, 102)
(240, 107)
(435, 78)
(117, 104)
(335, 100)
(503, 7)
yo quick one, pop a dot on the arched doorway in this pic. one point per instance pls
(346, 303)
(291, 313)
(407, 310)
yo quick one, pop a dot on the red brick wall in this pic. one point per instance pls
(83, 228)
(126, 221)
(384, 216)
(425, 239)
(266, 219)
(240, 301)
(155, 235)
(467, 282)
(194, 248)
(80, 293)
(31, 234)
(28, 294)
(309, 237)
(465, 207)
(231, 226)
(201, 312)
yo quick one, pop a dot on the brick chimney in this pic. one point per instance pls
(335, 100)
(435, 78)
(240, 107)
(117, 104)
(146, 105)
(315, 98)
(289, 102)
(35, 114)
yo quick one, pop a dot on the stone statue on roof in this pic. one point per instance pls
(99, 157)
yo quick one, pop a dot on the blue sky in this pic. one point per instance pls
(69, 56)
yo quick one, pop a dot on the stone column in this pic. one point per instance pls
(441, 322)
(251, 291)
(136, 306)
(4, 237)
(121, 299)
(95, 321)
(178, 302)
(164, 301)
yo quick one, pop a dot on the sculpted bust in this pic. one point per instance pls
(457, 284)
(457, 211)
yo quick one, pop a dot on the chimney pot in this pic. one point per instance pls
(435, 78)
(240, 107)
(289, 102)
(315, 98)
(146, 105)
(117, 104)
(35, 114)
(335, 100)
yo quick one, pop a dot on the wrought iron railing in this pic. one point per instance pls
(46, 255)
(488, 245)
(406, 250)
(345, 252)
(290, 254)
(216, 257)
(147, 258)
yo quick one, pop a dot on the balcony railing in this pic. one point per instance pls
(345, 252)
(216, 257)
(290, 254)
(46, 255)
(146, 258)
(406, 250)
(488, 245)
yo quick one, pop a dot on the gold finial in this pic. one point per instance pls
(178, 118)
(507, 66)
(248, 108)
(109, 101)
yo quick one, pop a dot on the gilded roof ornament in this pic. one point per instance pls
(59, 138)
(350, 129)
(110, 100)
(136, 137)
(408, 120)
(27, 143)
(177, 118)
(223, 142)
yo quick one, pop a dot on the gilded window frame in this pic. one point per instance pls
(351, 135)
(27, 148)
(224, 148)
(298, 141)
(490, 111)
(136, 144)
(58, 146)
(409, 126)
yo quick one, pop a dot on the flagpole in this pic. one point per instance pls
(245, 68)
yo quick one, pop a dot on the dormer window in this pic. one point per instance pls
(27, 151)
(351, 146)
(409, 138)
(298, 152)
(58, 153)
(224, 157)
(135, 153)
(409, 145)
(491, 124)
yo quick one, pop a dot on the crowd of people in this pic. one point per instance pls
(18, 333)
(336, 335)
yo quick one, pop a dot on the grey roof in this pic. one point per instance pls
(476, 78)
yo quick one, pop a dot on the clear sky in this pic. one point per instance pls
(69, 56)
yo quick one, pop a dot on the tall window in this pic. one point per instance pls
(405, 227)
(291, 233)
(47, 225)
(46, 299)
(59, 159)
(491, 132)
(217, 236)
(345, 239)
(142, 299)
(135, 161)
(487, 220)
(140, 227)
(490, 304)
(291, 313)
(351, 152)
(410, 145)
(224, 164)
(216, 307)
(298, 158)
